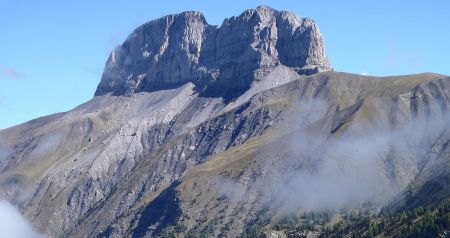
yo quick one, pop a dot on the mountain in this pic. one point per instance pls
(200, 130)
(220, 61)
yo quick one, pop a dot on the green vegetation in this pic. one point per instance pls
(426, 223)
(307, 221)
(419, 222)
(256, 228)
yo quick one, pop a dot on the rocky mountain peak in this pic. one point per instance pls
(182, 160)
(221, 61)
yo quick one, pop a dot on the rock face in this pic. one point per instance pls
(222, 128)
(176, 49)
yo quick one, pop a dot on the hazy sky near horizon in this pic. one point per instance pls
(52, 53)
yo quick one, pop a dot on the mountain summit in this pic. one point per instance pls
(220, 61)
(204, 131)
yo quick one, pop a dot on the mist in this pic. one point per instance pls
(363, 166)
(367, 165)
(13, 224)
(48, 144)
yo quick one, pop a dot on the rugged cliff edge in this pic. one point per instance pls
(205, 131)
(220, 61)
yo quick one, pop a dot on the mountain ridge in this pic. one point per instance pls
(176, 159)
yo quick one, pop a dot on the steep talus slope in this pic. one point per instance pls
(245, 183)
(200, 129)
(136, 151)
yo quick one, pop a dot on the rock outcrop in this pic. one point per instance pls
(220, 61)
(222, 130)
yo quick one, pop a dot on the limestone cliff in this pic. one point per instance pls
(220, 61)
(198, 130)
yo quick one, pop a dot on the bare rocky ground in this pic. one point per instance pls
(194, 130)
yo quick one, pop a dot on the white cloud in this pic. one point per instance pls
(13, 224)
(364, 73)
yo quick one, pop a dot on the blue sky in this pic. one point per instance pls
(52, 53)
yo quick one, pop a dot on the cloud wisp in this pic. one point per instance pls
(13, 224)
(363, 166)
(11, 73)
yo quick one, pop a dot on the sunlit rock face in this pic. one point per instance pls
(199, 128)
(176, 49)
